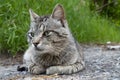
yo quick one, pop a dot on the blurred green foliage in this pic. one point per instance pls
(86, 25)
(108, 8)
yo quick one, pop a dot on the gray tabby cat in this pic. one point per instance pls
(52, 48)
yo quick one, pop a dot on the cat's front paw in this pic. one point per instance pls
(34, 69)
(52, 70)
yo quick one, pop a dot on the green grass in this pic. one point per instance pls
(87, 26)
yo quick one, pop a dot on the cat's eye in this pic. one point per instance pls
(31, 34)
(47, 33)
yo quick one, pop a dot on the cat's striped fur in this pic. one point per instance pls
(52, 48)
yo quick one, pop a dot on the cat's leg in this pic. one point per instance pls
(35, 69)
(24, 66)
(32, 68)
(66, 69)
(27, 59)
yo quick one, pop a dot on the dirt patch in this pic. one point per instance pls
(101, 64)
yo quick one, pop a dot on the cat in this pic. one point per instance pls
(52, 48)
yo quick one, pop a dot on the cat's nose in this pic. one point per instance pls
(35, 44)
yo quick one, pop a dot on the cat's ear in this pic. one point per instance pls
(58, 12)
(33, 15)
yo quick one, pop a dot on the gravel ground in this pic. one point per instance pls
(101, 64)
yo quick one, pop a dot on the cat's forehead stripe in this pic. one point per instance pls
(43, 18)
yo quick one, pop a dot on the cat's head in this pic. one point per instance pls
(49, 34)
